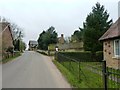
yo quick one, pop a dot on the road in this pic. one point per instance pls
(32, 70)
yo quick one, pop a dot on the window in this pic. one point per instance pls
(117, 48)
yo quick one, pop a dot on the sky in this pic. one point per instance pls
(66, 16)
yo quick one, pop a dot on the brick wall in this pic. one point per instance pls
(109, 54)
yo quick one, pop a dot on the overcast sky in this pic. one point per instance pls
(65, 15)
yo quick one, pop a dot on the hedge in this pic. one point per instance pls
(83, 56)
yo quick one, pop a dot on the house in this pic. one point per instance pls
(111, 45)
(33, 45)
(61, 39)
(6, 38)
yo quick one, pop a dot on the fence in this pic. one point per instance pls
(92, 74)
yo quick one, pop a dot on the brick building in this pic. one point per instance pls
(111, 45)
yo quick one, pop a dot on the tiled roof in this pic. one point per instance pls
(113, 31)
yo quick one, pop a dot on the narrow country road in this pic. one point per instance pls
(32, 70)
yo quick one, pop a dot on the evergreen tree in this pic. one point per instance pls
(96, 24)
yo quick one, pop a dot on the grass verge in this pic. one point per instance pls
(11, 58)
(46, 53)
(42, 53)
(88, 79)
(74, 82)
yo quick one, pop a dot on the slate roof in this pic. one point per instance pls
(112, 32)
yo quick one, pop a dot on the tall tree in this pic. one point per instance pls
(97, 22)
(77, 36)
(47, 37)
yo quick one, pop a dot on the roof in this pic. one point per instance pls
(112, 32)
(33, 42)
(4, 26)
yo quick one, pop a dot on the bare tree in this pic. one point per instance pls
(17, 31)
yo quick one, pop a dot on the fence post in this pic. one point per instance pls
(104, 75)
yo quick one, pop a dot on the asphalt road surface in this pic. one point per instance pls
(32, 70)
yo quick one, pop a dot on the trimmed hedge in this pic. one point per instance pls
(82, 56)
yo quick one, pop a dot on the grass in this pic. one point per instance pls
(43, 53)
(86, 76)
(87, 79)
(11, 58)
(68, 75)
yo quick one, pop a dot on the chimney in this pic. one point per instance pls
(62, 35)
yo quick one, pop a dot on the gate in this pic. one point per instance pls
(91, 74)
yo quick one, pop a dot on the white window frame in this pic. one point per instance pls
(116, 56)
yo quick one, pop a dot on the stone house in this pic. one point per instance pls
(33, 45)
(111, 45)
(6, 37)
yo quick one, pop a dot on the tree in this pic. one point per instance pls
(97, 22)
(18, 36)
(40, 41)
(17, 31)
(47, 37)
(77, 36)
